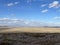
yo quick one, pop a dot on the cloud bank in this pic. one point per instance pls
(21, 22)
(12, 4)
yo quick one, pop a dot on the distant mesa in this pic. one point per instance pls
(6, 26)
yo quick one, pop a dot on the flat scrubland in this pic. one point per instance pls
(30, 30)
(29, 36)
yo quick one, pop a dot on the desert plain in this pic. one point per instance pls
(29, 36)
(29, 30)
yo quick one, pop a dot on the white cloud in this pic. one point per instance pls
(21, 22)
(54, 4)
(54, 24)
(18, 21)
(7, 20)
(12, 4)
(56, 17)
(43, 11)
(43, 5)
(16, 3)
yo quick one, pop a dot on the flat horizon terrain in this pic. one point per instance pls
(29, 30)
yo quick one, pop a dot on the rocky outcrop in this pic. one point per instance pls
(30, 39)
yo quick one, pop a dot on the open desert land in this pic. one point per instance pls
(29, 36)
(30, 30)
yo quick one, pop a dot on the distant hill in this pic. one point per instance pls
(52, 26)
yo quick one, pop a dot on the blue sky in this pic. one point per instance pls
(30, 12)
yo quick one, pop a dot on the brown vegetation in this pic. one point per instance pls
(29, 38)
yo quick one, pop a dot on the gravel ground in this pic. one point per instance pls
(30, 39)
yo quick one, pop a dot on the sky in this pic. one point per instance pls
(30, 12)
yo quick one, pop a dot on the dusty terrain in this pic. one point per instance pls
(29, 36)
(30, 30)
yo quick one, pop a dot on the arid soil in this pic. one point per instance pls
(29, 38)
(30, 30)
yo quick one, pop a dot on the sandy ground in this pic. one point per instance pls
(30, 30)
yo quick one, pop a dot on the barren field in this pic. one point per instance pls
(30, 30)
(29, 36)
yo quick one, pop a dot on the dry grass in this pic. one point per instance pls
(31, 30)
